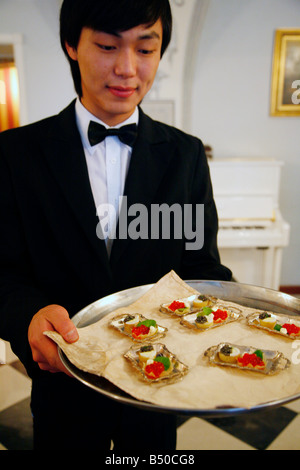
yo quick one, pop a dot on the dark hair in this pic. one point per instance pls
(110, 16)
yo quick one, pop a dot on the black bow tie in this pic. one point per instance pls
(126, 134)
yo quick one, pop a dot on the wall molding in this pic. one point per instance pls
(173, 84)
(195, 32)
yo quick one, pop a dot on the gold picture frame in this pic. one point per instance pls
(285, 91)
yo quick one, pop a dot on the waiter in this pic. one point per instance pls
(55, 176)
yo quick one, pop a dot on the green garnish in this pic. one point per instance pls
(277, 327)
(147, 323)
(259, 353)
(205, 311)
(164, 360)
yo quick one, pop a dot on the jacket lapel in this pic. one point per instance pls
(66, 160)
(150, 161)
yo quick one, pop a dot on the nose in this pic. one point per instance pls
(125, 64)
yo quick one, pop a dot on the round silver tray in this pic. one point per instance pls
(247, 295)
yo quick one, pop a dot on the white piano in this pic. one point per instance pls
(252, 231)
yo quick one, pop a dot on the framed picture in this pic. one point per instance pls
(285, 94)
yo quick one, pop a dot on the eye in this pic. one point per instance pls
(105, 47)
(146, 51)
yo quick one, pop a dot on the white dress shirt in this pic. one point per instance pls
(107, 164)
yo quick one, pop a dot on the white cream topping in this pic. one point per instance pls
(149, 355)
(210, 318)
(235, 352)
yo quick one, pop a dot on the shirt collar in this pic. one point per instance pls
(83, 118)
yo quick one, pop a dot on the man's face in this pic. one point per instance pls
(117, 70)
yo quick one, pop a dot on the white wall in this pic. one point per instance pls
(231, 98)
(231, 89)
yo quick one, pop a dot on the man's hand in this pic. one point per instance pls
(44, 350)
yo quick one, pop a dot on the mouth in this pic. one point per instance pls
(121, 92)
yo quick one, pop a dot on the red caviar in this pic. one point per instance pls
(176, 305)
(251, 360)
(154, 370)
(220, 315)
(140, 330)
(291, 329)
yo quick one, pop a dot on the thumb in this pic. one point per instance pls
(60, 320)
(71, 335)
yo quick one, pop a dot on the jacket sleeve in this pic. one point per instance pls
(19, 297)
(201, 259)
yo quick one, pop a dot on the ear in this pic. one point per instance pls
(72, 52)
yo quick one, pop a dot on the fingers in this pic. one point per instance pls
(59, 367)
(45, 353)
(44, 350)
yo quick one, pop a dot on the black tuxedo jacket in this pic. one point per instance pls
(49, 249)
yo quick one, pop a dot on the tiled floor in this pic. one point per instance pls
(276, 429)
